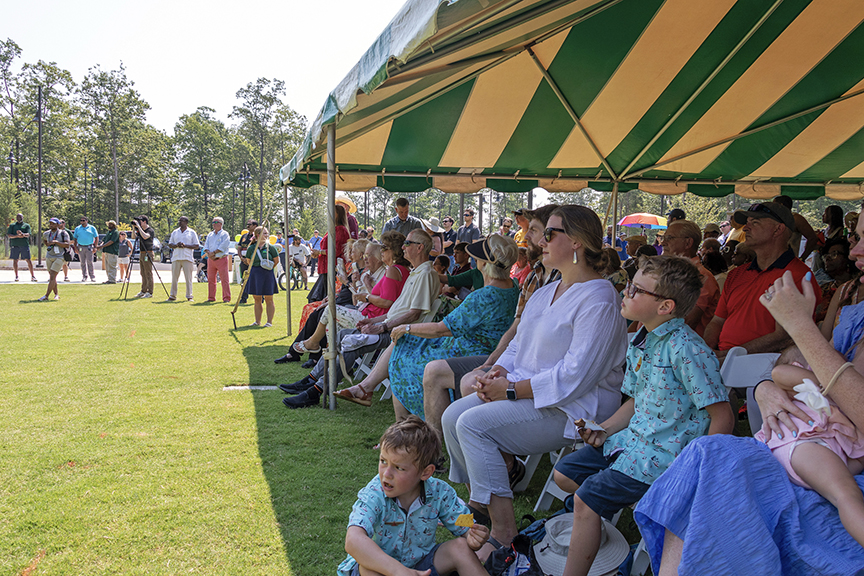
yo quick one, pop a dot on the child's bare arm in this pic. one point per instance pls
(722, 419)
(788, 376)
(370, 556)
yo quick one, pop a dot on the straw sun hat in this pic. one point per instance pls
(551, 552)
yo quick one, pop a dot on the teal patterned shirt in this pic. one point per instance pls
(406, 537)
(672, 375)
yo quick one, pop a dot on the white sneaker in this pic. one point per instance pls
(268, 325)
(43, 298)
(139, 295)
(254, 324)
(57, 297)
(147, 295)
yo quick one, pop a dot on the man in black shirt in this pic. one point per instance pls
(145, 236)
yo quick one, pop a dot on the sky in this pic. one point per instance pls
(183, 54)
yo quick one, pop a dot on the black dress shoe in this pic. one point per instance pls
(311, 397)
(299, 386)
(309, 363)
(290, 357)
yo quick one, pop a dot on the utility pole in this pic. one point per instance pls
(39, 181)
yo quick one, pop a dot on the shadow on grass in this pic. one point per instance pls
(314, 461)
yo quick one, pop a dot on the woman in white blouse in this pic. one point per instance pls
(564, 363)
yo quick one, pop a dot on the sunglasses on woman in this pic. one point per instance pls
(549, 233)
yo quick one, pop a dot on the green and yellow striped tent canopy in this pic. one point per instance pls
(753, 97)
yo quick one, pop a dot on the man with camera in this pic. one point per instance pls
(141, 228)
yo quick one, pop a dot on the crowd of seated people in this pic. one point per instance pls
(537, 355)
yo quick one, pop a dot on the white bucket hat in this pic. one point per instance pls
(551, 552)
(432, 225)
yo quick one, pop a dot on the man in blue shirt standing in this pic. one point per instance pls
(85, 236)
(314, 244)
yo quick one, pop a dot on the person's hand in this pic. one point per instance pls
(776, 406)
(477, 536)
(363, 322)
(397, 332)
(491, 386)
(789, 306)
(373, 329)
(181, 245)
(594, 438)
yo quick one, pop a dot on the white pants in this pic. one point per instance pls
(186, 266)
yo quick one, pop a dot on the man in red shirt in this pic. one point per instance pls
(740, 320)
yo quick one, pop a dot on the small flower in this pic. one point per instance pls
(811, 396)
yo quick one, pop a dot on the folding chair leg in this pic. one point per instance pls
(531, 461)
(387, 392)
(641, 560)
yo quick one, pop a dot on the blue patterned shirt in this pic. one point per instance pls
(406, 537)
(672, 375)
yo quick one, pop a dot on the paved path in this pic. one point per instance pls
(7, 274)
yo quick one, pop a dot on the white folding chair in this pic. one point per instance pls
(550, 490)
(742, 370)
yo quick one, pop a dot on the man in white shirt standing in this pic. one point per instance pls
(183, 242)
(216, 249)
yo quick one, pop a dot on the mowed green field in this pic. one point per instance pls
(120, 453)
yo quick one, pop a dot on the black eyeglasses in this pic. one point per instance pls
(407, 243)
(549, 233)
(631, 290)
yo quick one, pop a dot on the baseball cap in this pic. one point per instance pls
(771, 210)
(712, 227)
(54, 221)
(676, 214)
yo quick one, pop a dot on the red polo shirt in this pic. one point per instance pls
(746, 318)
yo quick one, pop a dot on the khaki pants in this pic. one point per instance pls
(146, 264)
(110, 266)
(186, 266)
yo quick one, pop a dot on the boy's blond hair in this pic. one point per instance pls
(677, 279)
(791, 355)
(415, 437)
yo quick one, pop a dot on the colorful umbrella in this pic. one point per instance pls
(643, 220)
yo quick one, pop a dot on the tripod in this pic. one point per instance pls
(141, 254)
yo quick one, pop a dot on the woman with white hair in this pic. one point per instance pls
(472, 329)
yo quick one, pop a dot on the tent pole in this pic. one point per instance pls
(614, 214)
(571, 112)
(461, 208)
(331, 265)
(287, 260)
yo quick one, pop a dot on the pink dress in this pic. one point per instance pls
(837, 433)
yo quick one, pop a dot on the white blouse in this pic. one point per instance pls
(572, 350)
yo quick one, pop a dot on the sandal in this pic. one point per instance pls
(516, 473)
(347, 394)
(300, 348)
(480, 517)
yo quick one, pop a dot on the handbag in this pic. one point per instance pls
(266, 262)
(515, 559)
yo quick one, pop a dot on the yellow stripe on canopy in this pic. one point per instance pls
(497, 103)
(856, 172)
(801, 46)
(831, 129)
(665, 46)
(367, 149)
(498, 100)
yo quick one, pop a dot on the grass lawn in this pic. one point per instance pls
(120, 453)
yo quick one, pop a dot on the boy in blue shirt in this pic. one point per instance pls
(391, 530)
(676, 395)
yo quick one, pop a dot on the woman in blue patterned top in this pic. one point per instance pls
(472, 329)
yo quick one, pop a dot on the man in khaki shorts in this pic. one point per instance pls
(56, 241)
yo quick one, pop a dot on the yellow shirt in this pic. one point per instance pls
(520, 238)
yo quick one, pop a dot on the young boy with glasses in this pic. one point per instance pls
(676, 395)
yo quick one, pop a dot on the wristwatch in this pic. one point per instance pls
(511, 391)
(407, 329)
